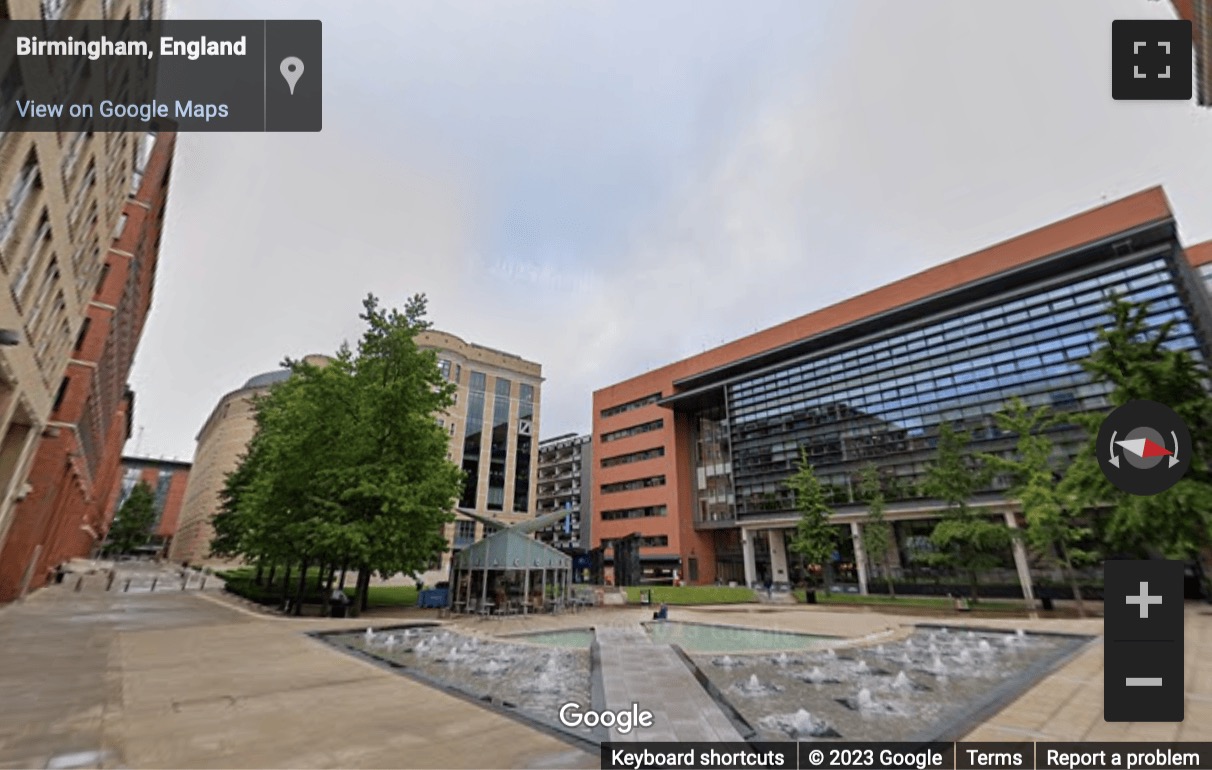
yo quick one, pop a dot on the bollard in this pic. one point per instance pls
(203, 586)
(127, 588)
(109, 582)
(79, 582)
(185, 582)
(154, 581)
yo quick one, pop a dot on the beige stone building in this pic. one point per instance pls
(221, 444)
(61, 205)
(494, 428)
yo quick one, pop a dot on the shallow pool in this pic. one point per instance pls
(703, 637)
(573, 638)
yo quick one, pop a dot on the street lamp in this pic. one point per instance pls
(10, 337)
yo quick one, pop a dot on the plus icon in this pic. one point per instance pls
(1151, 59)
(1144, 600)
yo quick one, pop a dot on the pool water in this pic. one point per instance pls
(575, 638)
(701, 637)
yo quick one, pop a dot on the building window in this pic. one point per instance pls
(635, 430)
(473, 438)
(62, 392)
(628, 486)
(499, 449)
(630, 405)
(654, 541)
(524, 452)
(634, 513)
(465, 533)
(633, 457)
(83, 333)
(444, 367)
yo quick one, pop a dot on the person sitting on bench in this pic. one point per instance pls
(662, 613)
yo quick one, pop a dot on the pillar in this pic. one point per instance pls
(526, 591)
(1020, 559)
(860, 555)
(751, 576)
(778, 556)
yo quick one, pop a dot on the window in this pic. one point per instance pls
(635, 430)
(630, 405)
(627, 486)
(62, 392)
(633, 457)
(444, 367)
(473, 438)
(634, 513)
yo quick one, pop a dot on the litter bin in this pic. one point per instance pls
(646, 597)
(338, 609)
(1047, 602)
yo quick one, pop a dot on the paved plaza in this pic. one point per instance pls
(189, 679)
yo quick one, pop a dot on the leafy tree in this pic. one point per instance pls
(1138, 361)
(1054, 530)
(877, 530)
(966, 539)
(133, 522)
(815, 538)
(348, 466)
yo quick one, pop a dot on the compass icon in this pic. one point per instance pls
(1142, 447)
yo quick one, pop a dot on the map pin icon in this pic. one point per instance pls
(292, 70)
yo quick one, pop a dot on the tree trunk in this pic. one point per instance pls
(326, 592)
(828, 575)
(286, 585)
(301, 591)
(972, 583)
(359, 603)
(1071, 577)
(341, 585)
(364, 580)
(259, 577)
(273, 570)
(320, 576)
(889, 578)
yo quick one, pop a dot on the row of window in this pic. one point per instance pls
(634, 430)
(645, 512)
(631, 405)
(633, 457)
(633, 484)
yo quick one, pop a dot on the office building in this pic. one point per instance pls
(65, 198)
(220, 446)
(493, 427)
(565, 483)
(167, 480)
(1199, 13)
(702, 448)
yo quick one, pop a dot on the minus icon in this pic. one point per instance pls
(1144, 681)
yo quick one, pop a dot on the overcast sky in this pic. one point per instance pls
(606, 187)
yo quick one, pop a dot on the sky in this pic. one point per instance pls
(608, 187)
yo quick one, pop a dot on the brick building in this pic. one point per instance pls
(693, 457)
(167, 480)
(77, 460)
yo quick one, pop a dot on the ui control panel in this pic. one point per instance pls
(1143, 653)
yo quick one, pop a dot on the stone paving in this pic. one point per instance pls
(179, 679)
(634, 670)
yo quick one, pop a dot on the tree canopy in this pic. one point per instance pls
(349, 465)
(133, 522)
(815, 537)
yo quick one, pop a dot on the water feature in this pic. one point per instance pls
(532, 679)
(898, 690)
(572, 638)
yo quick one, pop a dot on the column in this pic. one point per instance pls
(751, 576)
(1020, 559)
(860, 555)
(778, 556)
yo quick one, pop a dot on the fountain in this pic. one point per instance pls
(727, 662)
(801, 724)
(754, 686)
(965, 657)
(984, 647)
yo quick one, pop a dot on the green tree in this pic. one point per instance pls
(133, 522)
(815, 538)
(877, 530)
(966, 539)
(1054, 528)
(1138, 360)
(348, 465)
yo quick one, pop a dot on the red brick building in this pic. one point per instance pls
(693, 457)
(167, 480)
(76, 470)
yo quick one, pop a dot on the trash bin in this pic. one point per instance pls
(646, 597)
(1046, 601)
(338, 609)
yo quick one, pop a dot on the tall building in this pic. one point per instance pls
(702, 448)
(80, 217)
(493, 427)
(220, 446)
(167, 480)
(565, 483)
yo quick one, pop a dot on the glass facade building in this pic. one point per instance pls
(870, 380)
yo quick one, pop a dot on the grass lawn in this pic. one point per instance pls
(684, 595)
(240, 581)
(934, 602)
(390, 596)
